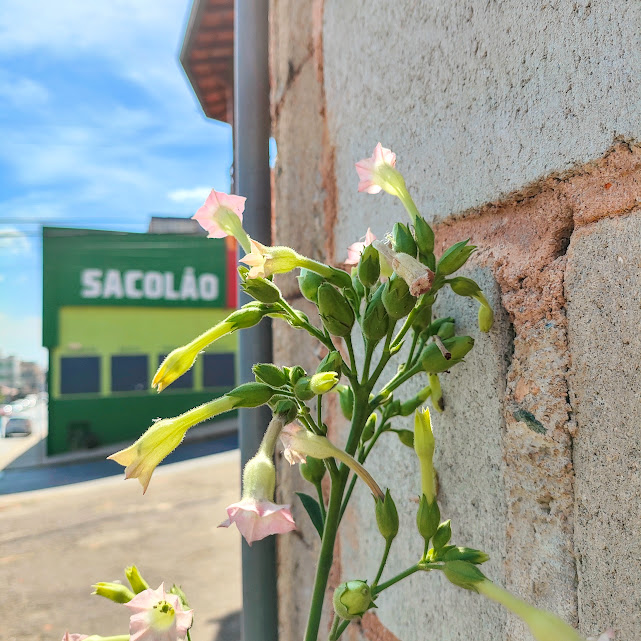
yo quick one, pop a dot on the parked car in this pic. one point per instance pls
(17, 425)
(6, 410)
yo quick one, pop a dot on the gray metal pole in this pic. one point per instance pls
(252, 179)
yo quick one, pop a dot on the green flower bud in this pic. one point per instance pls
(437, 394)
(356, 284)
(427, 518)
(116, 592)
(251, 395)
(463, 574)
(247, 316)
(375, 323)
(402, 240)
(331, 363)
(411, 405)
(406, 437)
(295, 373)
(335, 312)
(137, 583)
(443, 535)
(424, 235)
(387, 517)
(346, 400)
(285, 408)
(396, 297)
(352, 599)
(323, 382)
(369, 429)
(262, 290)
(429, 260)
(312, 470)
(466, 554)
(446, 330)
(369, 267)
(270, 374)
(454, 258)
(178, 591)
(303, 388)
(486, 318)
(436, 325)
(339, 278)
(423, 318)
(309, 282)
(434, 362)
(464, 286)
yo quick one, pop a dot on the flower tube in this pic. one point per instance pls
(222, 215)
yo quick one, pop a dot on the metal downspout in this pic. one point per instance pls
(259, 619)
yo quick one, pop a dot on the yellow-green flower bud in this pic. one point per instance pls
(116, 592)
(335, 312)
(464, 286)
(443, 535)
(323, 382)
(262, 290)
(250, 395)
(352, 599)
(433, 361)
(396, 297)
(424, 445)
(463, 574)
(486, 318)
(346, 400)
(247, 316)
(259, 477)
(312, 470)
(369, 267)
(427, 518)
(370, 427)
(424, 236)
(454, 258)
(309, 282)
(402, 240)
(295, 373)
(270, 374)
(437, 394)
(331, 363)
(303, 389)
(466, 554)
(375, 322)
(387, 517)
(137, 583)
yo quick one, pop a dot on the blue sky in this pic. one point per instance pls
(98, 128)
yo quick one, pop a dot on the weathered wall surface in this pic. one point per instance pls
(505, 118)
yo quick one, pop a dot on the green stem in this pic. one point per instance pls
(408, 203)
(297, 322)
(385, 356)
(341, 629)
(350, 351)
(399, 379)
(321, 501)
(348, 495)
(412, 348)
(369, 350)
(396, 579)
(332, 635)
(381, 567)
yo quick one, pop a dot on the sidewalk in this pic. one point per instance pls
(55, 543)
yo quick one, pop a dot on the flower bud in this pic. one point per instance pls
(369, 267)
(423, 318)
(433, 328)
(312, 470)
(443, 535)
(433, 361)
(437, 394)
(323, 382)
(270, 374)
(424, 236)
(138, 584)
(424, 445)
(464, 286)
(339, 278)
(454, 258)
(486, 318)
(463, 574)
(412, 404)
(294, 373)
(285, 408)
(429, 260)
(346, 400)
(446, 330)
(309, 282)
(387, 517)
(356, 284)
(262, 290)
(427, 518)
(369, 429)
(331, 363)
(178, 591)
(396, 298)
(402, 240)
(352, 599)
(303, 389)
(251, 394)
(466, 554)
(116, 592)
(247, 316)
(335, 312)
(375, 322)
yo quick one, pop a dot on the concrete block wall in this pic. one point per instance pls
(514, 125)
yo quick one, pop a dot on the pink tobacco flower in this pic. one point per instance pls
(369, 169)
(158, 616)
(256, 519)
(355, 250)
(265, 261)
(222, 215)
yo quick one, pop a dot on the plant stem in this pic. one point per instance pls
(396, 579)
(352, 358)
(412, 348)
(341, 629)
(332, 635)
(381, 567)
(348, 495)
(369, 350)
(321, 501)
(384, 358)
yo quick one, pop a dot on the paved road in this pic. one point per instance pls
(55, 543)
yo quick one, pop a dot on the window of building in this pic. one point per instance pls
(80, 375)
(129, 373)
(219, 370)
(186, 381)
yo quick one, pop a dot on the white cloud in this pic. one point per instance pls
(22, 92)
(196, 194)
(2, 277)
(22, 337)
(13, 241)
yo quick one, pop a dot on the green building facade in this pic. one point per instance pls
(114, 305)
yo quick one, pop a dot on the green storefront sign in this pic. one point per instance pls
(114, 305)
